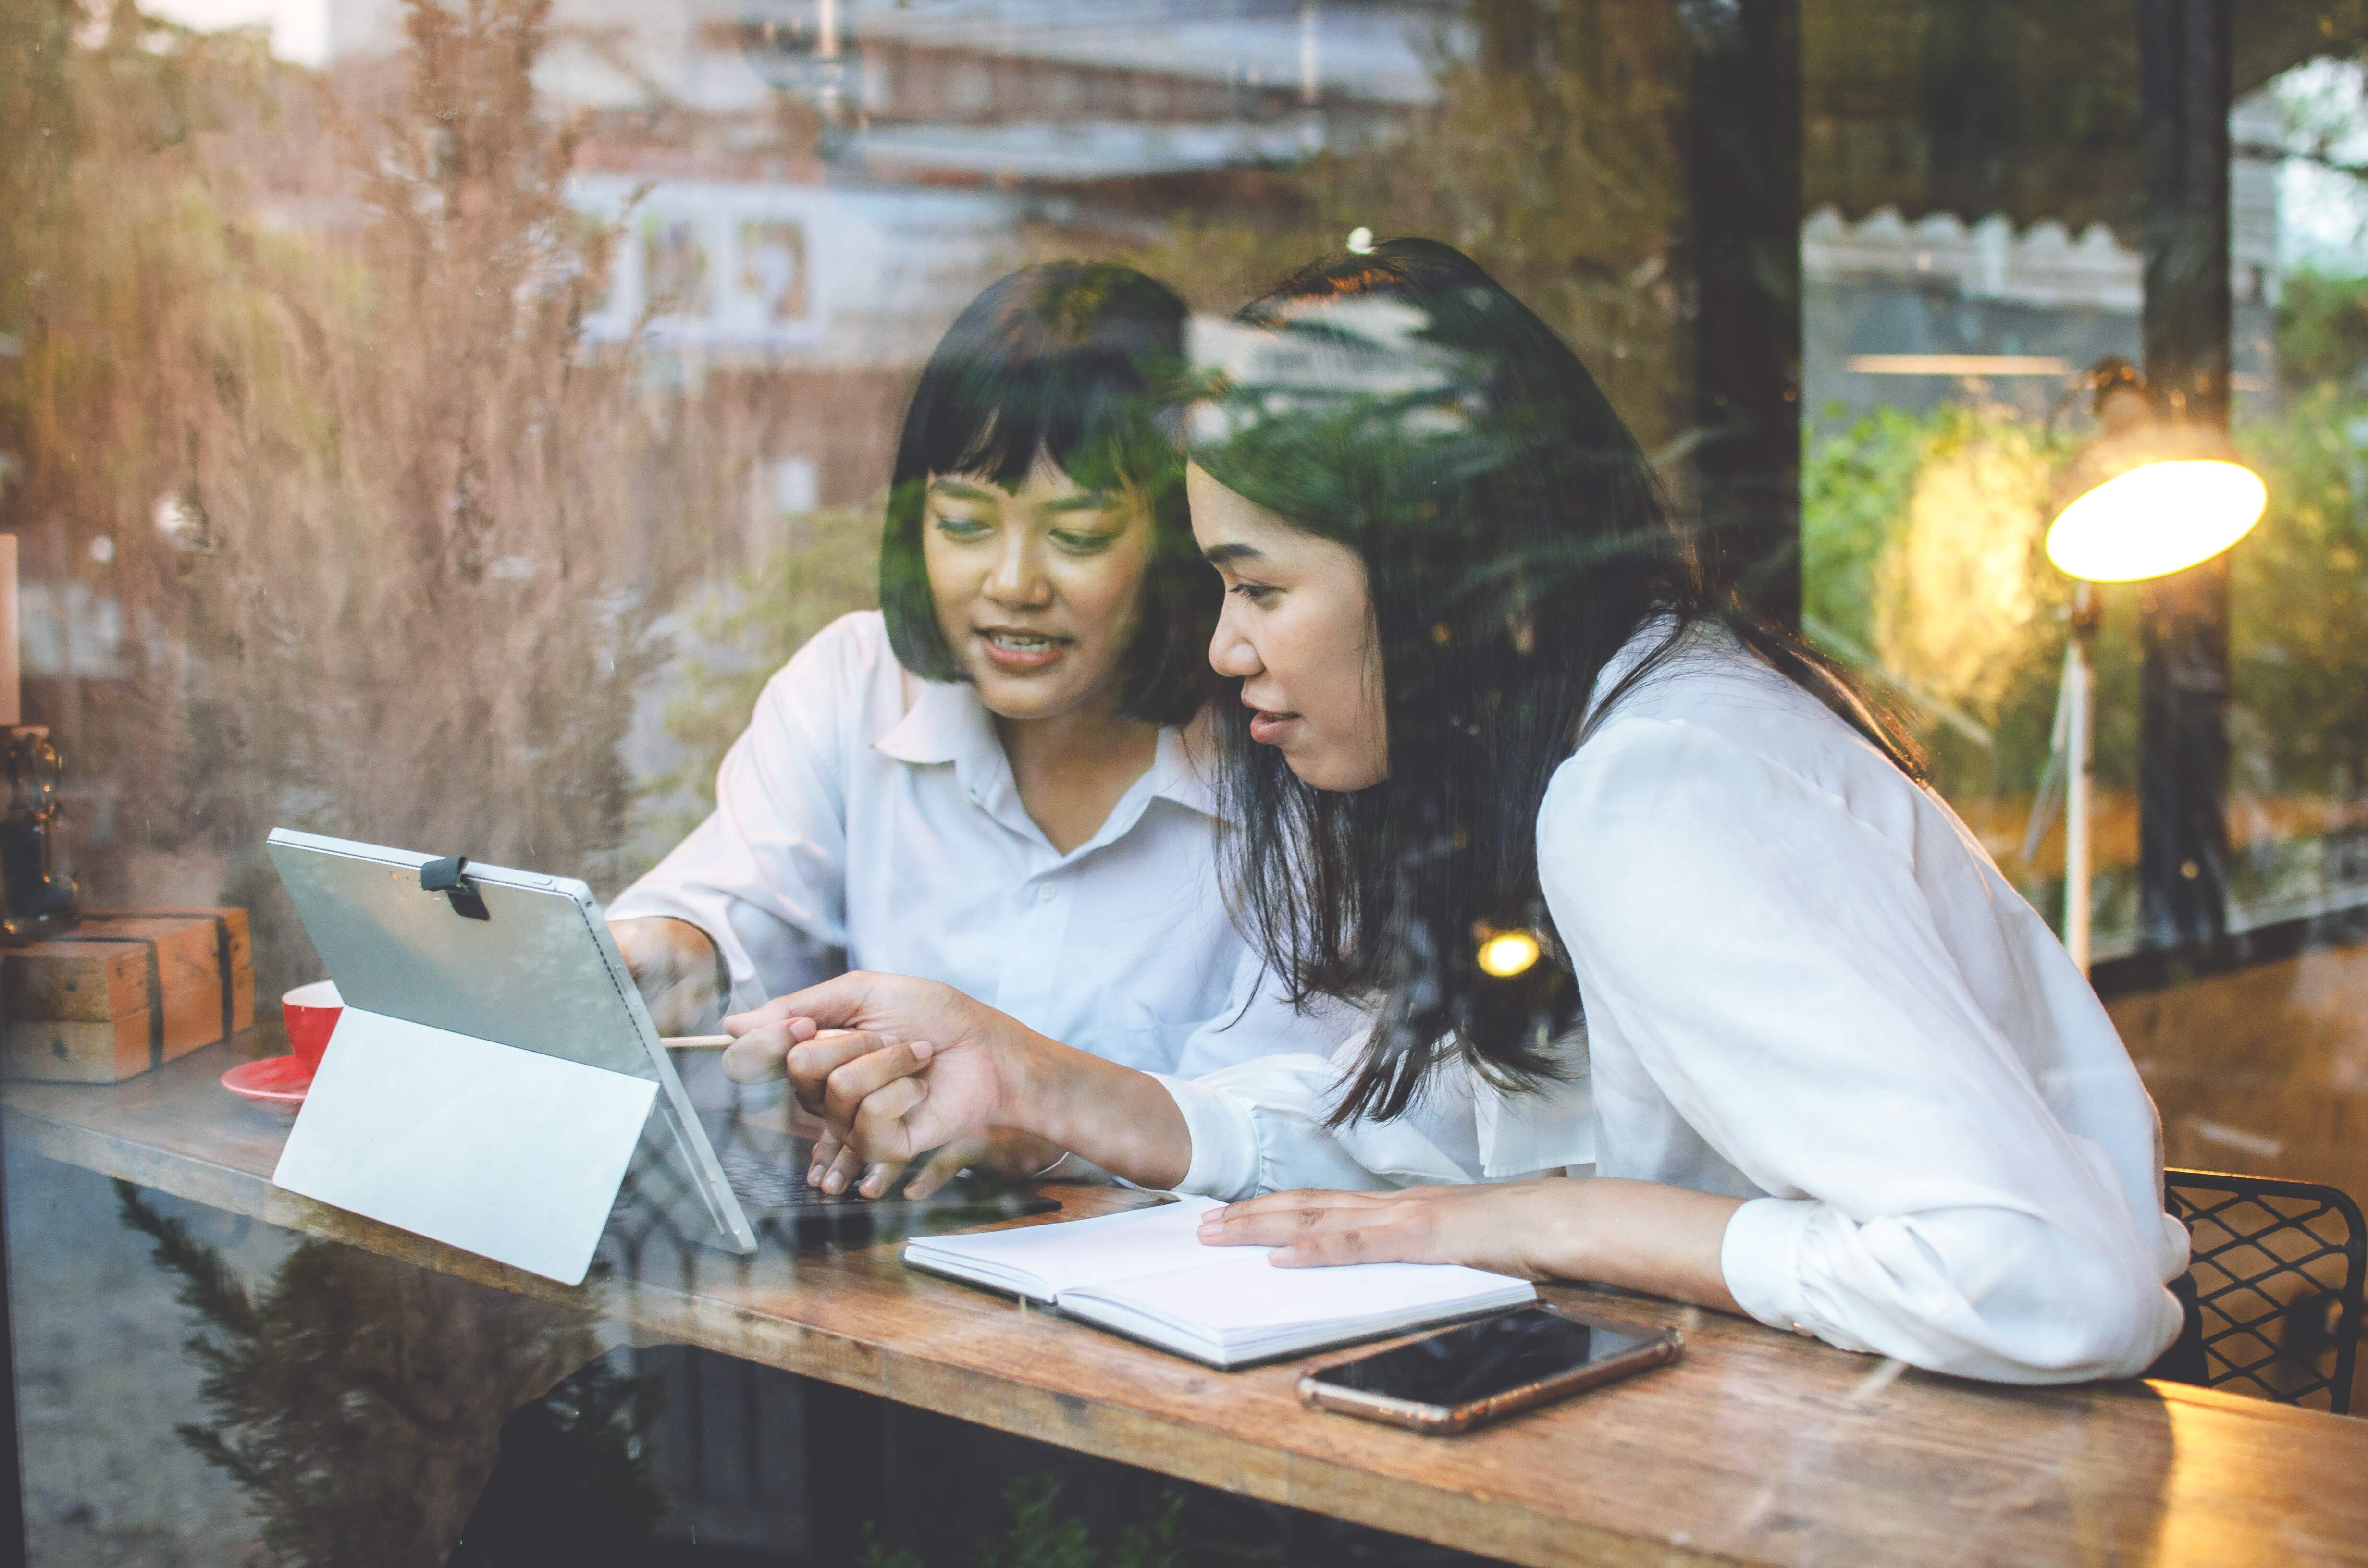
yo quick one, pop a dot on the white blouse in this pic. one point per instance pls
(1807, 985)
(872, 812)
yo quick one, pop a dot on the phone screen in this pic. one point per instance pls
(1483, 1359)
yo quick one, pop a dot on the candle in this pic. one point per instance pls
(11, 713)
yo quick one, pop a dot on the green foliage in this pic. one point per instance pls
(875, 1555)
(1038, 1534)
(2299, 601)
(1854, 490)
(1158, 1543)
(1976, 675)
(1923, 569)
(2322, 331)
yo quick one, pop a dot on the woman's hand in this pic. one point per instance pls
(1638, 1234)
(999, 1153)
(920, 1064)
(675, 969)
(904, 1065)
(1505, 1226)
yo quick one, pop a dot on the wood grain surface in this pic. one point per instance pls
(1757, 1447)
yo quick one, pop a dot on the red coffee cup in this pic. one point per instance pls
(312, 1012)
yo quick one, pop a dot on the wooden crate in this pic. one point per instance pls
(127, 991)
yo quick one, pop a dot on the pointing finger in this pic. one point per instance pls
(760, 1055)
(835, 1003)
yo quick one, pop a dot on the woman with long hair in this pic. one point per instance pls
(1633, 884)
(989, 782)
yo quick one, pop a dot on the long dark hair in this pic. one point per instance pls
(1514, 540)
(1078, 362)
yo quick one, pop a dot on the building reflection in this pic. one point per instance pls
(364, 548)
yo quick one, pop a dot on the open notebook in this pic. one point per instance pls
(1145, 1274)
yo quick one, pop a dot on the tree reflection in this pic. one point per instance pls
(359, 1402)
(1583, 225)
(306, 352)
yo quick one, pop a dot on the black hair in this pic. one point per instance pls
(1077, 362)
(1515, 538)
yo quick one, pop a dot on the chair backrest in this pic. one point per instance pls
(2278, 1269)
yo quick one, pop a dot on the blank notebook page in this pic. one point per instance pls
(1237, 1292)
(1086, 1252)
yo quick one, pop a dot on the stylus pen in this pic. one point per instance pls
(718, 1041)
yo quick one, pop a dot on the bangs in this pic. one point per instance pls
(996, 428)
(1073, 371)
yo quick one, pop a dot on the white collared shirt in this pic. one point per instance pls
(869, 811)
(1807, 985)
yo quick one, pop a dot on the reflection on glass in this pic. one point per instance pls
(439, 437)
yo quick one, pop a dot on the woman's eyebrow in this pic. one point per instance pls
(961, 491)
(1091, 501)
(1218, 554)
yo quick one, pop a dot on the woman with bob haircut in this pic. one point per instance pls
(1510, 757)
(987, 781)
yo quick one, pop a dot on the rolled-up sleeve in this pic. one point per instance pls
(1776, 969)
(764, 876)
(1224, 1138)
(1265, 1126)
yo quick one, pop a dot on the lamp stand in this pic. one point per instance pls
(2080, 738)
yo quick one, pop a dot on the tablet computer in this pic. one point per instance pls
(495, 1082)
(495, 1072)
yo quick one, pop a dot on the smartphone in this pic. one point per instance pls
(1458, 1378)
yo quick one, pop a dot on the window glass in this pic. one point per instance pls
(435, 424)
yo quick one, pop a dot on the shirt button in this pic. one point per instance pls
(1046, 893)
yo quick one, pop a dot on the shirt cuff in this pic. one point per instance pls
(1224, 1139)
(1760, 1258)
(635, 904)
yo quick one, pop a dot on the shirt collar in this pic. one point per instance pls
(1180, 779)
(947, 723)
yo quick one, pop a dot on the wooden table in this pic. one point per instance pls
(1757, 1447)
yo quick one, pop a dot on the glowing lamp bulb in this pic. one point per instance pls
(2156, 519)
(1508, 954)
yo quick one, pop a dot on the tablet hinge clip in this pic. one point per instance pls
(448, 877)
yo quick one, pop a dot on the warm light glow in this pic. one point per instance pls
(1508, 953)
(1361, 240)
(1957, 365)
(2155, 519)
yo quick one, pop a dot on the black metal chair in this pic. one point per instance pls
(2278, 1269)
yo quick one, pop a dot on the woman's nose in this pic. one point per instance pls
(1230, 652)
(1019, 579)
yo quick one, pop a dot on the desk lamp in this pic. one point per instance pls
(2151, 496)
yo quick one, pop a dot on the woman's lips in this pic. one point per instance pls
(1021, 651)
(1268, 729)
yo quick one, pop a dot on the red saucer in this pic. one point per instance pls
(274, 1080)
